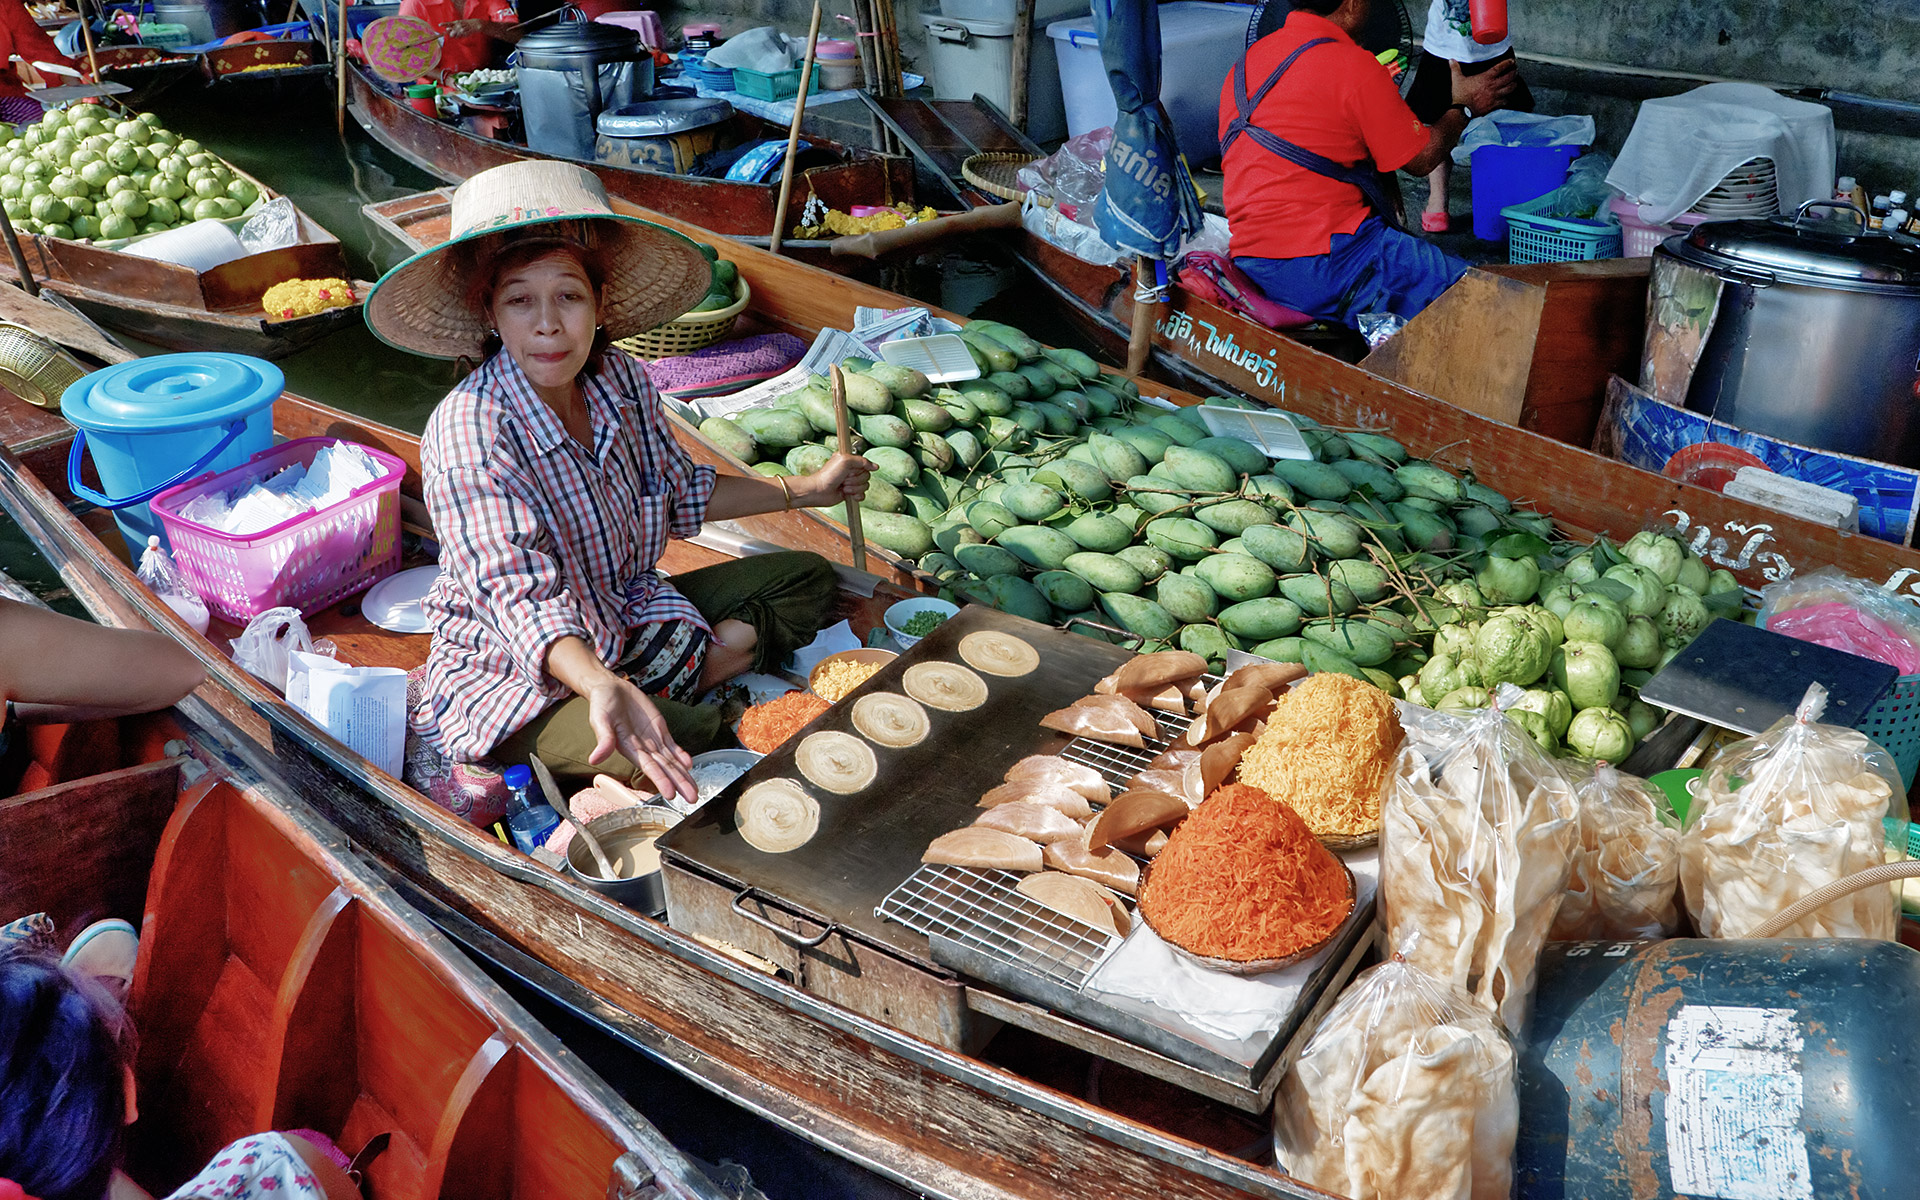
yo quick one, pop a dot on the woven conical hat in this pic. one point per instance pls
(427, 303)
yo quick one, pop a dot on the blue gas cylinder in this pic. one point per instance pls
(1761, 1070)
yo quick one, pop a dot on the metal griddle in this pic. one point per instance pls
(1743, 678)
(868, 843)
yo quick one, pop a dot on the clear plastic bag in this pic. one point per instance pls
(1779, 816)
(1476, 844)
(264, 646)
(275, 227)
(1406, 1092)
(1626, 861)
(1831, 608)
(1074, 174)
(162, 577)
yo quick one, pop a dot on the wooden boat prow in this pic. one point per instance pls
(282, 985)
(179, 308)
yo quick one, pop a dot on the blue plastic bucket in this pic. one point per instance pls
(155, 422)
(1505, 175)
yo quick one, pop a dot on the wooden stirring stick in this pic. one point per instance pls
(846, 447)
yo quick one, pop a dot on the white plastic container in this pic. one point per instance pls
(1199, 43)
(968, 56)
(1003, 10)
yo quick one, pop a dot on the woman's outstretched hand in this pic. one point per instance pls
(624, 719)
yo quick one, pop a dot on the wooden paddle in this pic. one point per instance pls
(840, 430)
(793, 132)
(340, 72)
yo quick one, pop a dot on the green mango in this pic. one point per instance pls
(1233, 517)
(1263, 619)
(1284, 549)
(1100, 532)
(1182, 537)
(1151, 561)
(1186, 598)
(1064, 590)
(1039, 547)
(906, 536)
(737, 442)
(1106, 572)
(1317, 596)
(1238, 577)
(1137, 614)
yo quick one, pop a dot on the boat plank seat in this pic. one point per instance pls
(276, 990)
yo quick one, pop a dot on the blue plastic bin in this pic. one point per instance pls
(155, 422)
(1508, 175)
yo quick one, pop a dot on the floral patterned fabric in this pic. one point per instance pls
(475, 792)
(262, 1167)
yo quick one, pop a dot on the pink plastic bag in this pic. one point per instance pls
(1835, 610)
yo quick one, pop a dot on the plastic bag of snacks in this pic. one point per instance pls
(1782, 815)
(1476, 845)
(1406, 1092)
(1626, 860)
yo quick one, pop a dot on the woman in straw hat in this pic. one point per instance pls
(555, 482)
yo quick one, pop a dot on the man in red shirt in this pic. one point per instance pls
(1307, 119)
(471, 26)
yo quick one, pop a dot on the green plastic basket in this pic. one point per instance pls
(1550, 229)
(777, 85)
(1894, 725)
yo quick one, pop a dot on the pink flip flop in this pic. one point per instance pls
(1433, 222)
(106, 951)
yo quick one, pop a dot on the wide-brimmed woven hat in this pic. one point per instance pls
(428, 304)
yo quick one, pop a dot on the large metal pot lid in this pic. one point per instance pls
(581, 37)
(1806, 249)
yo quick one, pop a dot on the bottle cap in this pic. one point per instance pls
(1896, 198)
(1896, 218)
(1844, 184)
(1881, 202)
(518, 776)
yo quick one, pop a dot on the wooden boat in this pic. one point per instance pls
(282, 984)
(444, 150)
(182, 309)
(1008, 1121)
(269, 60)
(148, 70)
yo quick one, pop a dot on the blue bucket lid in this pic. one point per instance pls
(172, 392)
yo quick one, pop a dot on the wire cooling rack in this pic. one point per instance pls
(982, 909)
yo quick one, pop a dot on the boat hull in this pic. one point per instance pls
(722, 206)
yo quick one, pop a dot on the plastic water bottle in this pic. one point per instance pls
(528, 824)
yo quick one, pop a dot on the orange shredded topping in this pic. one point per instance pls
(1326, 752)
(1244, 879)
(766, 727)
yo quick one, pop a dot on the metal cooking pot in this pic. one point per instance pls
(1814, 338)
(571, 73)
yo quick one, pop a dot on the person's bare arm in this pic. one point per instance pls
(1482, 93)
(55, 668)
(623, 719)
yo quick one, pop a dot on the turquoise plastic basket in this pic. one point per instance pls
(1548, 230)
(776, 86)
(1894, 725)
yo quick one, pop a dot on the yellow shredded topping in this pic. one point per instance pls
(1326, 752)
(839, 224)
(305, 297)
(836, 679)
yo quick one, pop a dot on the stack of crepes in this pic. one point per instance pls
(1781, 816)
(1476, 848)
(1626, 861)
(1406, 1092)
(1243, 879)
(1327, 752)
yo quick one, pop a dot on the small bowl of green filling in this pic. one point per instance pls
(911, 620)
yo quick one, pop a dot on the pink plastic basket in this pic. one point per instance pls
(307, 562)
(1638, 237)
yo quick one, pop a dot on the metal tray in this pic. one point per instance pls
(869, 842)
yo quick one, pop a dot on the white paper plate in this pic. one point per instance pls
(394, 603)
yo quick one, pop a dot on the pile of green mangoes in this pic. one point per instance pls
(724, 288)
(1049, 490)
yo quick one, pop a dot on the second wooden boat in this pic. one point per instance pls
(445, 150)
(282, 985)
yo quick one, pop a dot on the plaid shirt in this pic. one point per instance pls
(541, 540)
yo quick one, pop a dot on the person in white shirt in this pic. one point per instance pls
(1449, 39)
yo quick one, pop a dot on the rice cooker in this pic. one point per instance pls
(1798, 328)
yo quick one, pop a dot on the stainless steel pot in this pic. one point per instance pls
(1815, 337)
(645, 893)
(571, 73)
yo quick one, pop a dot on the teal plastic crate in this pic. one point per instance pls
(1551, 229)
(1894, 724)
(778, 85)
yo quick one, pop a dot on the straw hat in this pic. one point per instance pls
(429, 304)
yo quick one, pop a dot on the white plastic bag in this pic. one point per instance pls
(162, 577)
(1476, 842)
(1507, 128)
(1780, 816)
(1406, 1092)
(762, 49)
(265, 644)
(1626, 861)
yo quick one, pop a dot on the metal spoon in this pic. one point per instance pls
(559, 803)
